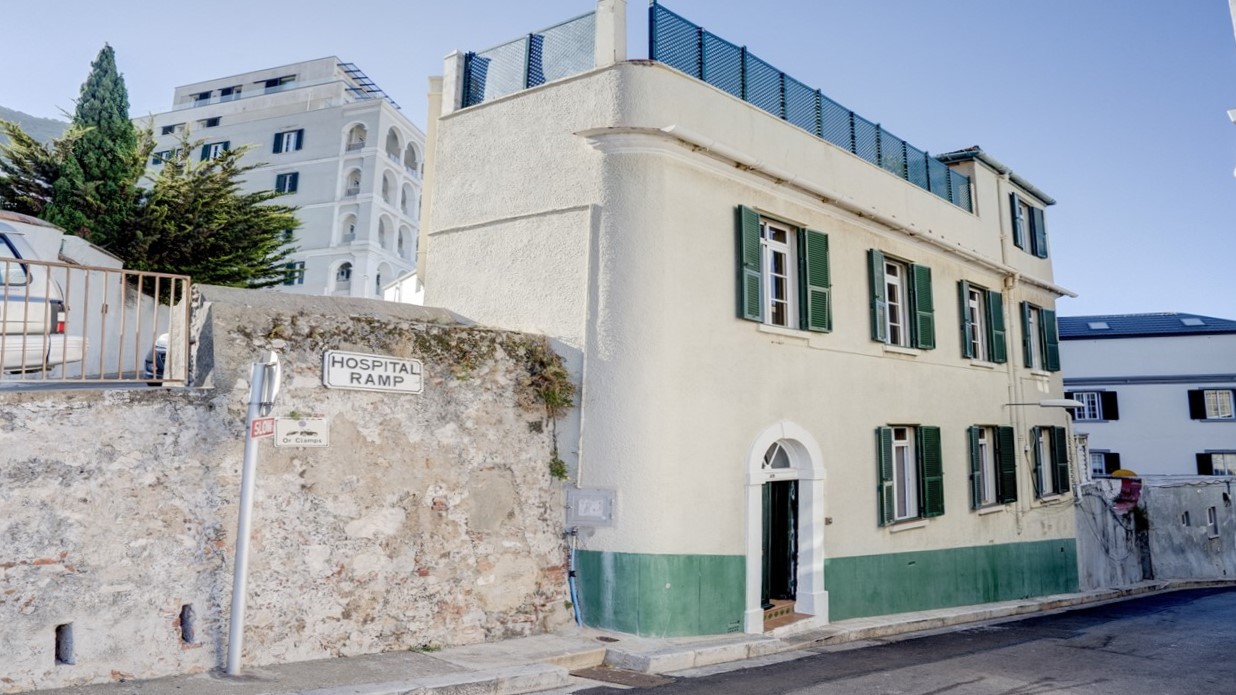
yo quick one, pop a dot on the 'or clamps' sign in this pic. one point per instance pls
(355, 370)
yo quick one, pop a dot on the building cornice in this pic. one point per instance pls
(647, 140)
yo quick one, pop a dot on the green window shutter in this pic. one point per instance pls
(300, 138)
(1018, 224)
(879, 303)
(995, 328)
(815, 290)
(1060, 450)
(922, 307)
(1111, 462)
(294, 181)
(963, 293)
(931, 470)
(1027, 344)
(1037, 450)
(976, 464)
(1051, 340)
(1205, 465)
(750, 305)
(278, 146)
(205, 152)
(1039, 228)
(1006, 461)
(884, 474)
(225, 146)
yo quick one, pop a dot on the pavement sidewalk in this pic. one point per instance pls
(546, 662)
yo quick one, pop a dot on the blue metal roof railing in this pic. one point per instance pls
(562, 50)
(687, 47)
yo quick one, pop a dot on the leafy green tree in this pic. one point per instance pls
(29, 169)
(99, 204)
(193, 218)
(196, 220)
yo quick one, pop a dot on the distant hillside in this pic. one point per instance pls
(43, 129)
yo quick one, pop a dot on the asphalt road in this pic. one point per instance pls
(1177, 643)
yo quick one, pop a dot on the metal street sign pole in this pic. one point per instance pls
(264, 386)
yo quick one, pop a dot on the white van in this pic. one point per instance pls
(32, 309)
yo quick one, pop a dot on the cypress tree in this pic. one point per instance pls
(105, 156)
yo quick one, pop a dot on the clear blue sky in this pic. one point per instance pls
(1118, 110)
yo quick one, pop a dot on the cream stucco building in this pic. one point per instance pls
(809, 382)
(337, 145)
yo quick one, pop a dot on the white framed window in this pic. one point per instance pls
(982, 324)
(214, 150)
(1040, 338)
(986, 453)
(783, 273)
(993, 465)
(287, 183)
(1098, 463)
(1104, 463)
(780, 261)
(976, 328)
(896, 293)
(905, 475)
(1050, 449)
(1044, 457)
(911, 472)
(902, 307)
(289, 140)
(1216, 463)
(294, 273)
(1091, 406)
(1219, 404)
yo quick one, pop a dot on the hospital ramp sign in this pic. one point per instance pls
(361, 372)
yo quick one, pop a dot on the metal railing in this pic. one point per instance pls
(65, 324)
(549, 54)
(687, 47)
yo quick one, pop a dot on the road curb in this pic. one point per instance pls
(680, 658)
(512, 680)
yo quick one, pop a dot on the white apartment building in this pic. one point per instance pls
(1158, 391)
(337, 145)
(811, 358)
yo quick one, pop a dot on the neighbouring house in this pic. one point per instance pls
(340, 148)
(810, 354)
(1157, 391)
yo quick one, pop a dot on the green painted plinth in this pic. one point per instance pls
(900, 582)
(661, 595)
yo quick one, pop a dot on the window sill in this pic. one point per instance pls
(984, 364)
(900, 350)
(907, 525)
(1217, 419)
(990, 509)
(795, 333)
(1041, 373)
(1051, 499)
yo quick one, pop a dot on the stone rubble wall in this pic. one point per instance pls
(1168, 535)
(430, 520)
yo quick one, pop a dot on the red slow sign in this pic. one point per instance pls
(262, 427)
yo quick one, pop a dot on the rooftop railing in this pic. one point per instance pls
(687, 47)
(549, 54)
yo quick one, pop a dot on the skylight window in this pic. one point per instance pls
(1098, 325)
(1193, 322)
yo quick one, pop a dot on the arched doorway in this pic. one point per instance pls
(785, 527)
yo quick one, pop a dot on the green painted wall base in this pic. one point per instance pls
(682, 595)
(900, 582)
(661, 595)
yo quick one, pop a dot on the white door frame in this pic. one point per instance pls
(807, 467)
